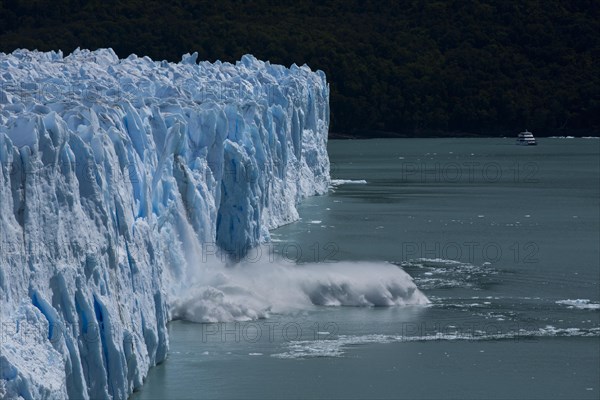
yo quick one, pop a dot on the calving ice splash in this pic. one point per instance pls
(114, 172)
(250, 291)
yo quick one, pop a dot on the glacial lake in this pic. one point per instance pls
(502, 239)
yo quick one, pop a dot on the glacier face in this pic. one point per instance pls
(111, 170)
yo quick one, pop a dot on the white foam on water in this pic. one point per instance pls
(252, 290)
(338, 347)
(437, 273)
(581, 304)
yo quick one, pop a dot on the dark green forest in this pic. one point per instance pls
(414, 68)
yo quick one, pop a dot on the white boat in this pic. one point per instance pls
(526, 139)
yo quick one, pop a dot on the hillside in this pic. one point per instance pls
(410, 67)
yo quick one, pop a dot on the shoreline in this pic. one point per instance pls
(452, 135)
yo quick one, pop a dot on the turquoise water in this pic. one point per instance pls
(504, 241)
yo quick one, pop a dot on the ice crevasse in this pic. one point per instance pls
(110, 170)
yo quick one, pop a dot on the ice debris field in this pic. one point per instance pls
(119, 179)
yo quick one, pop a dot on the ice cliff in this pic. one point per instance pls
(111, 170)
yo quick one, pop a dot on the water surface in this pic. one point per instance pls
(504, 241)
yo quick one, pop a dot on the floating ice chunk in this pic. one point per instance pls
(337, 182)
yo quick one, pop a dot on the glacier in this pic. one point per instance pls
(111, 171)
(131, 191)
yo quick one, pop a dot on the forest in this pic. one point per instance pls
(396, 68)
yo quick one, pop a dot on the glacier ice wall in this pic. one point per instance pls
(110, 170)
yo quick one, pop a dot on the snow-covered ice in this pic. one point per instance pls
(116, 174)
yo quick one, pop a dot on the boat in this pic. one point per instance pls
(526, 139)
